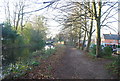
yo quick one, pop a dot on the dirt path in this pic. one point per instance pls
(70, 63)
(76, 65)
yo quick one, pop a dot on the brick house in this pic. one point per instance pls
(110, 39)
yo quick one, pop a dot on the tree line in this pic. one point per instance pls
(81, 19)
(33, 34)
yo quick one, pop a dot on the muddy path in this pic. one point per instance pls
(75, 64)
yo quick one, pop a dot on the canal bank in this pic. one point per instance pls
(22, 59)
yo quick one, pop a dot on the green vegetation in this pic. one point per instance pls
(16, 70)
(115, 66)
(20, 68)
(106, 52)
(9, 35)
(47, 53)
(93, 50)
(32, 35)
(20, 30)
(118, 46)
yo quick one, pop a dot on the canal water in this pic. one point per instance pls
(13, 55)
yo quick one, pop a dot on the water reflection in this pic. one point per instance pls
(13, 55)
(49, 46)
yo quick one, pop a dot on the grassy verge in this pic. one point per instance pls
(114, 67)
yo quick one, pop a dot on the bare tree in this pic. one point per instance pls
(7, 10)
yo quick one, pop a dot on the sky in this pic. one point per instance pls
(36, 4)
(53, 26)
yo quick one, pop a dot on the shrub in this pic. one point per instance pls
(115, 66)
(35, 63)
(9, 35)
(15, 70)
(107, 51)
(93, 50)
(118, 46)
(20, 67)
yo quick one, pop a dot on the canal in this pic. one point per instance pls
(16, 54)
(24, 55)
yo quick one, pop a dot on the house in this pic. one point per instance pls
(110, 39)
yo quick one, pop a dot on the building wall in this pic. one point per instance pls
(109, 41)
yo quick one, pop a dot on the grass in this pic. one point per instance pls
(114, 67)
(109, 57)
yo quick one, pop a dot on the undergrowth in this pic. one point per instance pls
(114, 67)
(20, 68)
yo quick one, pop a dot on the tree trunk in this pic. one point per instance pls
(79, 38)
(98, 26)
(83, 44)
(90, 35)
(18, 19)
(22, 18)
(98, 39)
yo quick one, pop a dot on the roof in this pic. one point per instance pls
(111, 36)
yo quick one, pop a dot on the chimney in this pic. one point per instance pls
(110, 33)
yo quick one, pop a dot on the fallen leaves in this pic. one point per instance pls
(46, 69)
